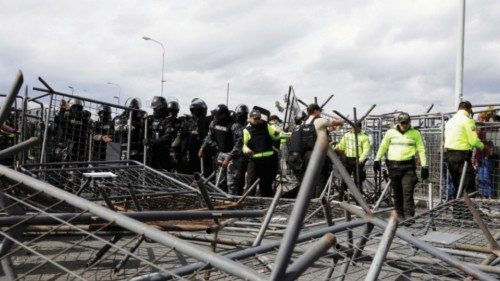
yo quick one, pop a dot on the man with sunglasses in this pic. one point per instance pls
(258, 137)
(400, 145)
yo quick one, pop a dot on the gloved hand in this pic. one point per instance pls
(147, 142)
(424, 173)
(376, 166)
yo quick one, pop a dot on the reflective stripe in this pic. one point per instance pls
(263, 154)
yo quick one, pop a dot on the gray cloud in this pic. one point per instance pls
(397, 54)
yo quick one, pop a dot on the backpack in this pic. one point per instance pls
(301, 141)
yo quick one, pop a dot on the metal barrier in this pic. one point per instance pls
(76, 132)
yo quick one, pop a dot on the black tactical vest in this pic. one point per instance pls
(260, 141)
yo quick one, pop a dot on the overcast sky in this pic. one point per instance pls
(399, 54)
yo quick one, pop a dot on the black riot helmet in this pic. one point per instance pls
(75, 104)
(220, 112)
(104, 112)
(158, 102)
(404, 118)
(159, 106)
(198, 108)
(134, 103)
(173, 108)
(241, 113)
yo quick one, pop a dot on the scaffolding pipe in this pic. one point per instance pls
(409, 238)
(383, 249)
(11, 97)
(250, 252)
(269, 215)
(223, 263)
(20, 147)
(307, 259)
(298, 213)
(348, 180)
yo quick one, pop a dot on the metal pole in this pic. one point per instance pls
(383, 248)
(250, 252)
(382, 196)
(327, 211)
(441, 161)
(223, 263)
(145, 156)
(409, 238)
(356, 146)
(18, 147)
(347, 179)
(462, 180)
(129, 131)
(298, 213)
(46, 131)
(162, 69)
(269, 215)
(459, 71)
(310, 256)
(227, 95)
(431, 201)
(11, 97)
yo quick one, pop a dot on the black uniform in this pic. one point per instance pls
(99, 146)
(120, 130)
(227, 135)
(197, 130)
(72, 127)
(162, 133)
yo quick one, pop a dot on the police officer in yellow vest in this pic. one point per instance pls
(401, 144)
(258, 137)
(460, 137)
(347, 146)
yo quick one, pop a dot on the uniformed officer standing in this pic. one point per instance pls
(73, 131)
(460, 137)
(121, 129)
(258, 137)
(400, 145)
(102, 133)
(347, 146)
(227, 134)
(197, 131)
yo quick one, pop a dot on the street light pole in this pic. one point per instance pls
(163, 60)
(72, 90)
(119, 91)
(459, 70)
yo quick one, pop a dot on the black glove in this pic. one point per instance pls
(147, 142)
(376, 166)
(424, 173)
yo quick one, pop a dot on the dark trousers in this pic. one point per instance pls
(350, 166)
(403, 181)
(265, 169)
(455, 160)
(320, 181)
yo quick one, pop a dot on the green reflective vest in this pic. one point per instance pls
(402, 147)
(460, 133)
(348, 145)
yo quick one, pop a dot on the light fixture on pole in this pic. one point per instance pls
(72, 90)
(119, 91)
(163, 60)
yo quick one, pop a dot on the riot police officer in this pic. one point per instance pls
(72, 132)
(121, 130)
(163, 131)
(102, 133)
(241, 114)
(228, 136)
(197, 130)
